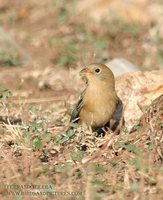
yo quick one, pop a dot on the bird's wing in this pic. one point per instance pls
(77, 109)
(118, 110)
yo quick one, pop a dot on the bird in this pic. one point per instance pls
(99, 102)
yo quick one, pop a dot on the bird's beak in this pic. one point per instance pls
(85, 72)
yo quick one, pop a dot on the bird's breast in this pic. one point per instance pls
(99, 106)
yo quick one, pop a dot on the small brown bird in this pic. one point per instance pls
(99, 102)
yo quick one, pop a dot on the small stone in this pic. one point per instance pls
(121, 66)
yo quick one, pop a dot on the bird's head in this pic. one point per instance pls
(97, 73)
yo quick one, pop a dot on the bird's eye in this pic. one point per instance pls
(97, 70)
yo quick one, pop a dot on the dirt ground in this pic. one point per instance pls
(46, 45)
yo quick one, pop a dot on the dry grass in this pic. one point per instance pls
(126, 166)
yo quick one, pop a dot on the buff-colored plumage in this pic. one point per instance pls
(99, 102)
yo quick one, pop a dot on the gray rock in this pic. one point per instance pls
(121, 66)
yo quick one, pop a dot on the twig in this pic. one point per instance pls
(16, 101)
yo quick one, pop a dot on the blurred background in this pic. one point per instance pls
(61, 33)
